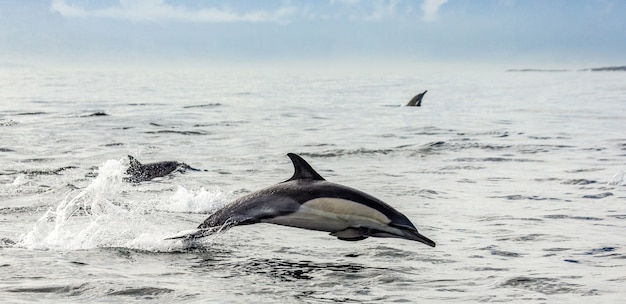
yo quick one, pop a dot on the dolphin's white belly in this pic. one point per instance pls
(332, 214)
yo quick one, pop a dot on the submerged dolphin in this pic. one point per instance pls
(417, 100)
(138, 172)
(308, 201)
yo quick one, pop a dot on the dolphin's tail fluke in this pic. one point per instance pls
(189, 235)
(200, 232)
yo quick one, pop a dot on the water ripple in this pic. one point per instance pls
(544, 285)
(70, 290)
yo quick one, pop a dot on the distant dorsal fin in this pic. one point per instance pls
(133, 162)
(416, 101)
(302, 169)
(419, 101)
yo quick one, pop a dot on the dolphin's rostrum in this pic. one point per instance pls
(308, 201)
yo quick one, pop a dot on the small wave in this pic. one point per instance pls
(87, 289)
(438, 147)
(619, 179)
(496, 159)
(346, 152)
(517, 197)
(603, 250)
(70, 290)
(572, 261)
(539, 137)
(584, 170)
(563, 216)
(468, 144)
(140, 292)
(454, 168)
(389, 252)
(117, 144)
(495, 251)
(578, 182)
(487, 269)
(177, 132)
(96, 114)
(5, 242)
(543, 285)
(431, 148)
(226, 123)
(38, 171)
(22, 209)
(207, 105)
(286, 270)
(8, 123)
(31, 113)
(508, 218)
(598, 196)
(522, 238)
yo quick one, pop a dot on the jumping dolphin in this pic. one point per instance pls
(138, 172)
(417, 100)
(308, 201)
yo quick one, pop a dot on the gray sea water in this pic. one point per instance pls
(518, 177)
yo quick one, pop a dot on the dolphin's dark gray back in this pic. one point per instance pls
(245, 210)
(138, 172)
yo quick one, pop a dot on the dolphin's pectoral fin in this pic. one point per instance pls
(350, 234)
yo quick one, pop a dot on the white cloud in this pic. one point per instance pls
(158, 10)
(346, 2)
(382, 10)
(430, 8)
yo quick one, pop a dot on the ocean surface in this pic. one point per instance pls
(519, 177)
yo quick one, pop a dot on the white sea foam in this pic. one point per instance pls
(79, 220)
(195, 201)
(97, 216)
(619, 179)
(19, 180)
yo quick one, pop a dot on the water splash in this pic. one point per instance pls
(195, 201)
(19, 181)
(109, 213)
(619, 179)
(76, 221)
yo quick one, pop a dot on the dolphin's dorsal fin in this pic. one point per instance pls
(133, 162)
(302, 169)
(416, 101)
(419, 101)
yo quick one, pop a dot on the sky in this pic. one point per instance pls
(513, 33)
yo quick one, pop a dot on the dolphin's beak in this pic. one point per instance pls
(403, 232)
(416, 236)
